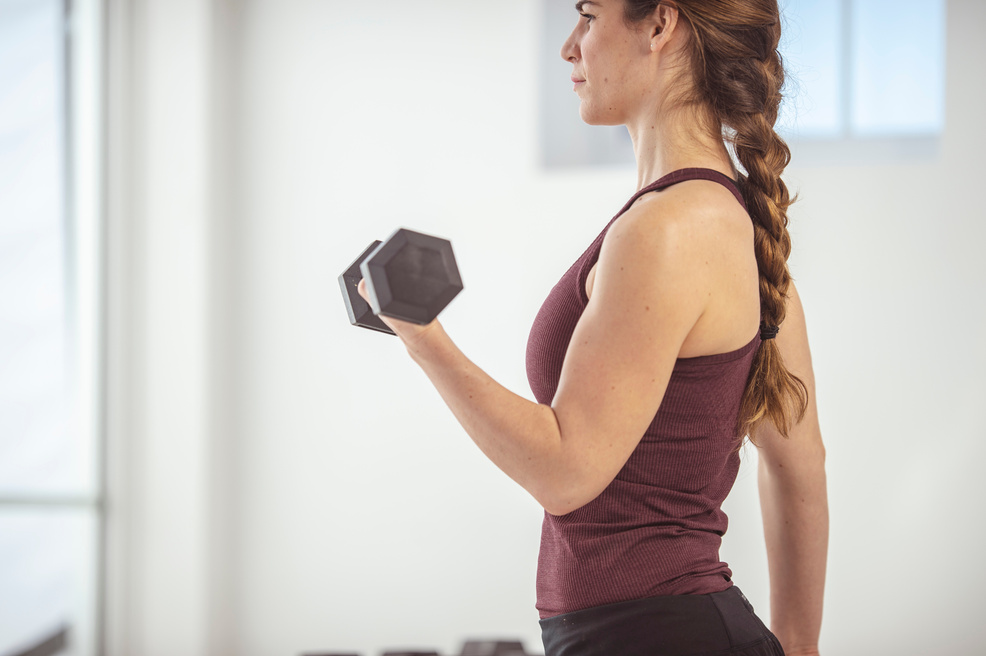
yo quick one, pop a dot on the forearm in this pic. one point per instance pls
(793, 500)
(520, 436)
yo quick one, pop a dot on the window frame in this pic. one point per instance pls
(84, 233)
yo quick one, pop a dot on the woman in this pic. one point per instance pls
(655, 355)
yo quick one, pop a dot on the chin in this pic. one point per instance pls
(590, 116)
(592, 119)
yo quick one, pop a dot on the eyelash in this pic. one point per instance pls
(588, 18)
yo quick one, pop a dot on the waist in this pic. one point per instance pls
(575, 576)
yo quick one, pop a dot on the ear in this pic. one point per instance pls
(661, 25)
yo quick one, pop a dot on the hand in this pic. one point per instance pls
(410, 333)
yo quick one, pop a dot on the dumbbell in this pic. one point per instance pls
(411, 276)
(470, 648)
(475, 648)
(493, 648)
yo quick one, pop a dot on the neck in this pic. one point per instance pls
(667, 141)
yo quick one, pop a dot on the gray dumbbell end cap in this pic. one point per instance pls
(360, 313)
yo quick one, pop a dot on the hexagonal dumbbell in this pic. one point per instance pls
(410, 276)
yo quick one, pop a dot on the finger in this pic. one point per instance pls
(361, 288)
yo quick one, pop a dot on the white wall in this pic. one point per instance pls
(346, 509)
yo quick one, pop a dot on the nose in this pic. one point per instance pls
(570, 49)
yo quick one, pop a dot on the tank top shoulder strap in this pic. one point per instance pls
(689, 174)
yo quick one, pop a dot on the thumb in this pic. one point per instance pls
(361, 288)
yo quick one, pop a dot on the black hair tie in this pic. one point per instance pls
(768, 332)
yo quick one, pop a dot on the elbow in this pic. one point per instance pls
(559, 508)
(564, 499)
(568, 480)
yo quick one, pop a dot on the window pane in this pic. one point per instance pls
(898, 67)
(47, 560)
(39, 450)
(811, 42)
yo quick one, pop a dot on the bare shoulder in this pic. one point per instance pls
(684, 222)
(692, 204)
(697, 233)
(661, 239)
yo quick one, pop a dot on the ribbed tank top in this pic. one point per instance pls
(656, 529)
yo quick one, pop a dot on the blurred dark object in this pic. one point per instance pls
(55, 643)
(469, 648)
(493, 648)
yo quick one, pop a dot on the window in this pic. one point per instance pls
(50, 508)
(860, 73)
(863, 68)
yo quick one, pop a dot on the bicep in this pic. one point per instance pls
(646, 298)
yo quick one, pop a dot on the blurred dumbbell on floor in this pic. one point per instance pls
(493, 648)
(411, 276)
(469, 648)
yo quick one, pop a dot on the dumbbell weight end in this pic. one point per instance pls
(360, 312)
(411, 276)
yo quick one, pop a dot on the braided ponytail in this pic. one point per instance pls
(738, 74)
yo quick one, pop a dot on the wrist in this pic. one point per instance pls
(797, 648)
(424, 341)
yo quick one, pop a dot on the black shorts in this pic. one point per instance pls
(716, 624)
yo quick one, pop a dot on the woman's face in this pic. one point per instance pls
(612, 64)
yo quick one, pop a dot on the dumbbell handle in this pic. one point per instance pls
(360, 312)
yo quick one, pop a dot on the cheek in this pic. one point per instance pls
(601, 64)
(589, 54)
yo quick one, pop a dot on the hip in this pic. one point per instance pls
(718, 623)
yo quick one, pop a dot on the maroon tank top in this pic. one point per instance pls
(656, 529)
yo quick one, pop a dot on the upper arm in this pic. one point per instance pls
(804, 440)
(649, 291)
